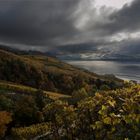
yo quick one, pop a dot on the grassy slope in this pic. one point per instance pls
(50, 64)
(44, 72)
(28, 90)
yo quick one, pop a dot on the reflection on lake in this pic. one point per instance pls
(125, 70)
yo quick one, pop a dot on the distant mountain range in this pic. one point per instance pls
(94, 55)
(25, 52)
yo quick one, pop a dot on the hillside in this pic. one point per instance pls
(44, 98)
(49, 74)
(108, 115)
(11, 88)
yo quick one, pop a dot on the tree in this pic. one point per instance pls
(41, 99)
(104, 87)
(5, 103)
(62, 117)
(93, 91)
(79, 94)
(25, 110)
(5, 118)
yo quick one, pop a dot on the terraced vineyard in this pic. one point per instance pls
(9, 87)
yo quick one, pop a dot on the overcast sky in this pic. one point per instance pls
(71, 26)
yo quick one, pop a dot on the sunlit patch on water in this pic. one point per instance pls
(124, 70)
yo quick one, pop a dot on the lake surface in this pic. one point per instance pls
(124, 70)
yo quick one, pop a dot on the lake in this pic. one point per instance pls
(124, 70)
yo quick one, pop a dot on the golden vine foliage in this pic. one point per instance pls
(112, 115)
(109, 115)
(27, 133)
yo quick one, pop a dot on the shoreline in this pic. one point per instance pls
(128, 79)
(126, 71)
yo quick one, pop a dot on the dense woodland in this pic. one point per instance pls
(42, 98)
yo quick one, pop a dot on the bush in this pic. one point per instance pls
(30, 132)
(5, 119)
(104, 87)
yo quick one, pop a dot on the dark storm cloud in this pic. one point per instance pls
(113, 23)
(36, 21)
(76, 48)
(68, 26)
(127, 19)
(130, 47)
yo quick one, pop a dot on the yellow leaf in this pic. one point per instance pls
(107, 120)
(98, 125)
(104, 107)
(112, 103)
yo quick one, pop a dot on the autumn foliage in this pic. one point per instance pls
(5, 119)
(109, 115)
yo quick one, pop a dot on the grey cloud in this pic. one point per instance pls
(125, 20)
(131, 46)
(76, 48)
(108, 21)
(36, 22)
(58, 25)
